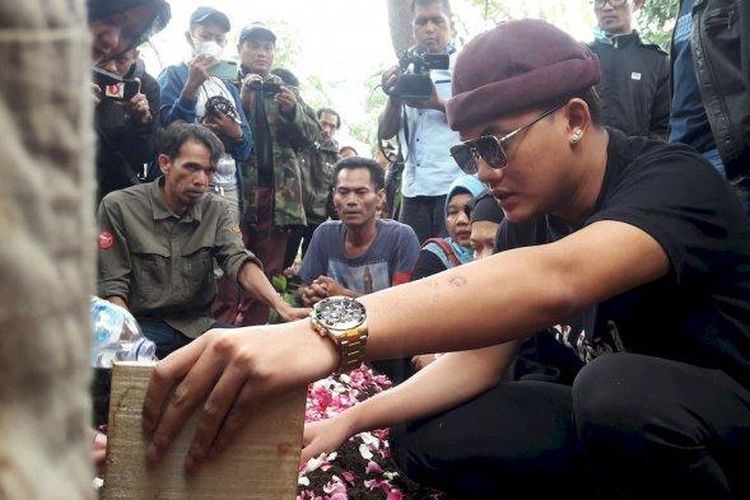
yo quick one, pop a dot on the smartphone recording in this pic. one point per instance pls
(114, 87)
(226, 70)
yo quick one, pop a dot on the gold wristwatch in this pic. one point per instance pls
(344, 321)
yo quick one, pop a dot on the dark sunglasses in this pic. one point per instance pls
(614, 3)
(489, 147)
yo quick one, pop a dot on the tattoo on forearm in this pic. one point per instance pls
(457, 281)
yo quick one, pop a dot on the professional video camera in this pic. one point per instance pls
(268, 88)
(414, 81)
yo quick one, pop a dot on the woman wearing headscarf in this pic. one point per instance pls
(439, 254)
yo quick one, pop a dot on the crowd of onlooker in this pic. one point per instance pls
(274, 163)
(229, 155)
(211, 134)
(217, 182)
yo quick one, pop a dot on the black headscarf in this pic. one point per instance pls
(484, 208)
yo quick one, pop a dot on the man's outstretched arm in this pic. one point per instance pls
(254, 282)
(498, 299)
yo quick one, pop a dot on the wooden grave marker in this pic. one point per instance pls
(261, 463)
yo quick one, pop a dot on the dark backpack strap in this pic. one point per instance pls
(446, 248)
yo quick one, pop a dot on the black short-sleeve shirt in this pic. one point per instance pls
(700, 312)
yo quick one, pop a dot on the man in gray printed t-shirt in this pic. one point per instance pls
(360, 253)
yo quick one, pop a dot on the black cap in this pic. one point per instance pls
(257, 31)
(205, 14)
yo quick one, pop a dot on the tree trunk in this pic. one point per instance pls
(399, 21)
(46, 250)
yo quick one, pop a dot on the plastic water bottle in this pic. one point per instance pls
(116, 336)
(141, 350)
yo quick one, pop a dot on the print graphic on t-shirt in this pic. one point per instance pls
(365, 278)
(589, 347)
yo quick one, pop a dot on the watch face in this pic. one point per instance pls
(340, 313)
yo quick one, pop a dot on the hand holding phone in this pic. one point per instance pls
(114, 87)
(198, 73)
(123, 91)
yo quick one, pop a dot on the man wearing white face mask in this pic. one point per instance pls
(190, 92)
(188, 87)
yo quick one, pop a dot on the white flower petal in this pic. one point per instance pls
(364, 450)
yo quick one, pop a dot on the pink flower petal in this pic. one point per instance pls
(395, 494)
(381, 434)
(373, 468)
(334, 487)
(373, 483)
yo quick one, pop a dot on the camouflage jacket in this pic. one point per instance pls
(287, 179)
(318, 160)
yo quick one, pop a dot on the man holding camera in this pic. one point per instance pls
(117, 28)
(194, 92)
(273, 185)
(422, 126)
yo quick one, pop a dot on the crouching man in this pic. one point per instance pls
(158, 241)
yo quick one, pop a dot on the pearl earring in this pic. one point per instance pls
(576, 136)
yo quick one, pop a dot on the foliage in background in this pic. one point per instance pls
(288, 49)
(366, 131)
(319, 93)
(554, 12)
(657, 19)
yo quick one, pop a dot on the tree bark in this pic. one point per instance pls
(399, 21)
(46, 250)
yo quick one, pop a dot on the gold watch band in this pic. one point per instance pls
(352, 348)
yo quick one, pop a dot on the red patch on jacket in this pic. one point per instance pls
(105, 240)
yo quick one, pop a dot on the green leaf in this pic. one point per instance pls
(279, 282)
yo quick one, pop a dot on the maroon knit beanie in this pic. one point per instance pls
(514, 67)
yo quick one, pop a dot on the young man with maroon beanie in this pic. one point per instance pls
(631, 252)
